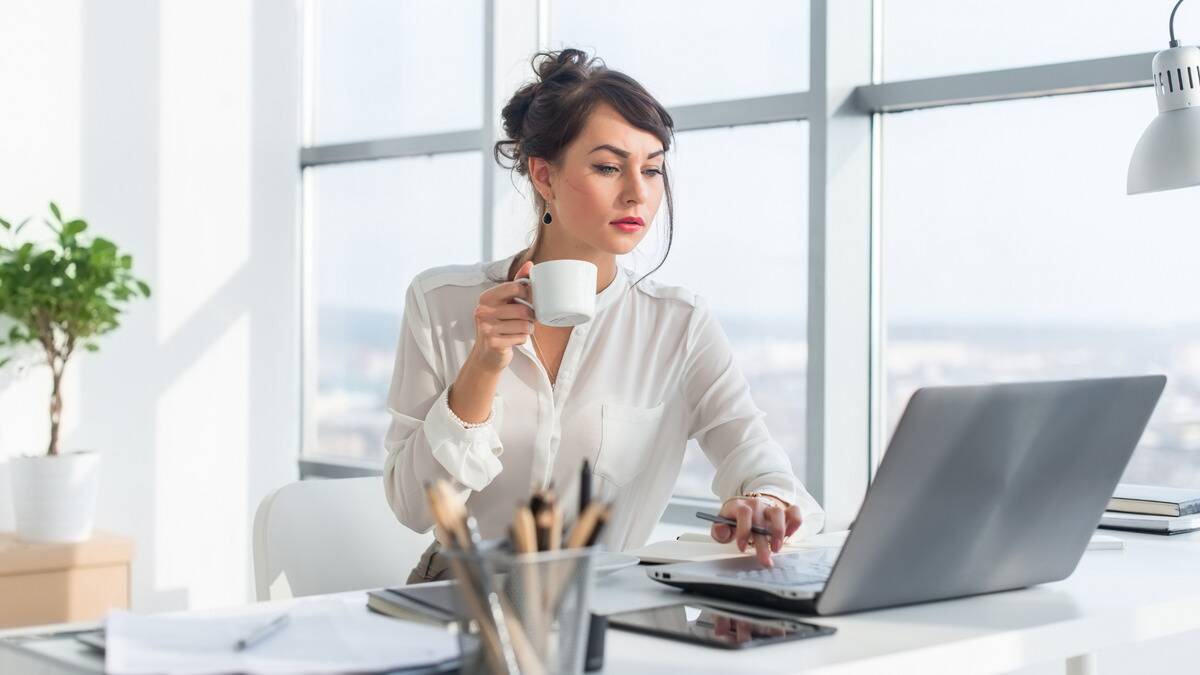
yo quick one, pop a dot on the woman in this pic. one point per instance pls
(501, 406)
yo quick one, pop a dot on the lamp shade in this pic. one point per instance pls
(1167, 156)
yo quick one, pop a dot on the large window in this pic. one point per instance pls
(375, 219)
(1011, 252)
(380, 68)
(693, 51)
(926, 38)
(373, 231)
(1006, 247)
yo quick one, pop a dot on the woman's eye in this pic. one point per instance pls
(654, 172)
(605, 169)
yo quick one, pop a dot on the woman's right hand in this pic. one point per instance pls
(501, 324)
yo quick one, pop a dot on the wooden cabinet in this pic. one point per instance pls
(56, 583)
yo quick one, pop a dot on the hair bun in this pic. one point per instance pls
(564, 66)
(555, 71)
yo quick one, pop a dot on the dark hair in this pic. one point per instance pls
(544, 116)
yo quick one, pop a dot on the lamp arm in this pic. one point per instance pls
(1174, 42)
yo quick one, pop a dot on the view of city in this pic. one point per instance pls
(357, 351)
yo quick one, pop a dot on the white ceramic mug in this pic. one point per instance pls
(564, 292)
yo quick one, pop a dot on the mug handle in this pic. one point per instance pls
(526, 282)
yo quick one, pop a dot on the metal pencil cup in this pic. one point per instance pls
(525, 613)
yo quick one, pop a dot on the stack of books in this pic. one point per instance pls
(1153, 508)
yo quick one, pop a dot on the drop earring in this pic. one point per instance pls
(546, 218)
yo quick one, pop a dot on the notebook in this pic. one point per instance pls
(1141, 522)
(425, 603)
(1155, 500)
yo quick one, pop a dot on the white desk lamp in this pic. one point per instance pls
(1168, 154)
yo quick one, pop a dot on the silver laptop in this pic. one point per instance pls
(982, 489)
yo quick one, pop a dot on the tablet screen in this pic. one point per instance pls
(696, 622)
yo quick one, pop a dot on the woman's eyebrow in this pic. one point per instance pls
(622, 153)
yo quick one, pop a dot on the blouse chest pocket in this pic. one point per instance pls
(627, 440)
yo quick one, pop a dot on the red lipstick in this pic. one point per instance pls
(629, 224)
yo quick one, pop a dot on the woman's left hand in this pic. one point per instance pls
(757, 512)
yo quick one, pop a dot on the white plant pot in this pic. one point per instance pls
(54, 498)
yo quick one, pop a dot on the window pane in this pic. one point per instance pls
(741, 243)
(395, 68)
(692, 51)
(372, 235)
(923, 38)
(1011, 252)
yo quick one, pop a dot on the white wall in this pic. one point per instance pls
(173, 127)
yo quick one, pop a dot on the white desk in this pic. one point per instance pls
(1149, 590)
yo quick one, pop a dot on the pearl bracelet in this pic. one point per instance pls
(759, 495)
(467, 425)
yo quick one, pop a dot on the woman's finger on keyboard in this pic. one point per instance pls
(762, 548)
(777, 523)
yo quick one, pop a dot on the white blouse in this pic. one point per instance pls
(651, 370)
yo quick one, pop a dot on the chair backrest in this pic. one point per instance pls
(326, 536)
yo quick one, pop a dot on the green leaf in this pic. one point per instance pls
(54, 210)
(91, 346)
(62, 289)
(5, 361)
(5, 224)
(21, 226)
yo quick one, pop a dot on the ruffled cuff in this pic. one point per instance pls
(470, 455)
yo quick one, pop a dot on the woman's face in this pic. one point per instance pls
(611, 171)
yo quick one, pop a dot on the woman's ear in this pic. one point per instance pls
(539, 173)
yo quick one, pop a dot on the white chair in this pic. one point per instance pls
(326, 536)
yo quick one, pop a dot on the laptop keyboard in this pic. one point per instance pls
(793, 572)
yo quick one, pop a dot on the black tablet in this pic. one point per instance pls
(715, 627)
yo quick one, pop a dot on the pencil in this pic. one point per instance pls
(556, 527)
(524, 531)
(586, 526)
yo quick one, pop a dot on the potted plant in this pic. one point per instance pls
(59, 295)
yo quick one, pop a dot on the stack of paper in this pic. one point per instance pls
(321, 636)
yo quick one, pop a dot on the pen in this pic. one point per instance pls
(261, 633)
(585, 486)
(730, 522)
